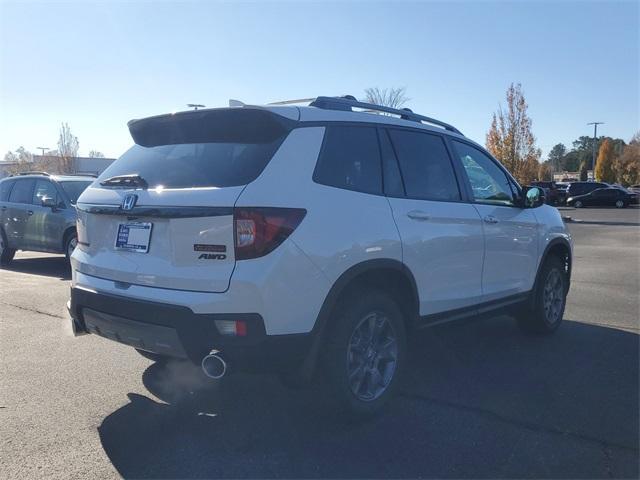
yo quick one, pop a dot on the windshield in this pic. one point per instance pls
(73, 188)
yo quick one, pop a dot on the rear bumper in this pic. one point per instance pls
(179, 332)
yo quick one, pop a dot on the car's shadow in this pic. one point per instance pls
(481, 400)
(54, 266)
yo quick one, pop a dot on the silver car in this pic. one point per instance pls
(37, 212)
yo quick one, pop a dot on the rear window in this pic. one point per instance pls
(74, 188)
(194, 165)
(350, 159)
(217, 148)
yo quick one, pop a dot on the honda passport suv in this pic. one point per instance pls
(309, 241)
(37, 212)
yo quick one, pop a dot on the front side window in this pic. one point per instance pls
(22, 191)
(425, 166)
(488, 182)
(44, 188)
(350, 159)
(74, 188)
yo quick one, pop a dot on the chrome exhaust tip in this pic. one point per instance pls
(214, 366)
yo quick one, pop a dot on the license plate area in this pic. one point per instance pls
(134, 236)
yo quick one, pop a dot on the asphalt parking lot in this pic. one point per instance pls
(481, 400)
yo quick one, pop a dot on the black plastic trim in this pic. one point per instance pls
(556, 241)
(339, 287)
(198, 333)
(492, 306)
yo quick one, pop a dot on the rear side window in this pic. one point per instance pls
(5, 188)
(350, 159)
(22, 191)
(425, 166)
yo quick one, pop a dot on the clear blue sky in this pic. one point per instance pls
(98, 65)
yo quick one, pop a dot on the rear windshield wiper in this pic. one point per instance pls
(125, 181)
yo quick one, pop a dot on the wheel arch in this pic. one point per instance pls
(561, 248)
(67, 231)
(386, 274)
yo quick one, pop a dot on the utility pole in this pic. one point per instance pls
(43, 150)
(593, 147)
(195, 106)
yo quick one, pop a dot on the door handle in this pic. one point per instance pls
(418, 215)
(29, 212)
(490, 219)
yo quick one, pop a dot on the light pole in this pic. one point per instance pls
(195, 106)
(593, 147)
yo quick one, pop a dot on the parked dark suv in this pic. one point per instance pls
(37, 212)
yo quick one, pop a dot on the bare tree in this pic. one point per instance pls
(96, 154)
(387, 97)
(67, 148)
(22, 161)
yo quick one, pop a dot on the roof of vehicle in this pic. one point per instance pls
(337, 109)
(54, 176)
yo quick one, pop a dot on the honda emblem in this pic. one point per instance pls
(129, 201)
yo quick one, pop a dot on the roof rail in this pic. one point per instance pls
(348, 103)
(34, 173)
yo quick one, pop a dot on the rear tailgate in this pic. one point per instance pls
(162, 214)
(191, 247)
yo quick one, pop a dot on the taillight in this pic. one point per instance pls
(259, 230)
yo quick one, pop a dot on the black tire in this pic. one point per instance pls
(69, 240)
(542, 318)
(154, 357)
(6, 253)
(350, 317)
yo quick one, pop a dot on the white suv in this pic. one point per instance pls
(307, 239)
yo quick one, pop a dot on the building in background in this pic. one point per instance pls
(571, 176)
(49, 163)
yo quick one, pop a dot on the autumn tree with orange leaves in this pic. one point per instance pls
(604, 164)
(510, 139)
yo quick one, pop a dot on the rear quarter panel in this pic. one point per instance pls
(341, 228)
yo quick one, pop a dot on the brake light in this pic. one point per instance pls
(259, 230)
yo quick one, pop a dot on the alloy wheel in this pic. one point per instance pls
(553, 297)
(619, 204)
(372, 356)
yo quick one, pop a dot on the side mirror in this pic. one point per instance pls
(533, 197)
(49, 202)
